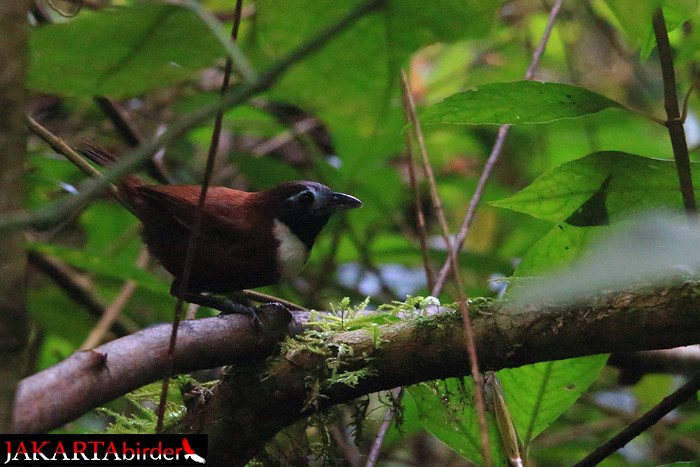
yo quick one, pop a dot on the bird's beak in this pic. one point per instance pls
(341, 201)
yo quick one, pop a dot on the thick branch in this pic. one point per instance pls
(246, 411)
(91, 378)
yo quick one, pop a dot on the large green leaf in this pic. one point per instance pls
(122, 52)
(656, 249)
(517, 102)
(446, 409)
(562, 245)
(635, 19)
(537, 394)
(599, 187)
(356, 73)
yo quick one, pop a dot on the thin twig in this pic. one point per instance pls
(130, 136)
(674, 122)
(197, 224)
(58, 145)
(67, 279)
(298, 128)
(420, 215)
(469, 335)
(389, 415)
(686, 99)
(495, 154)
(429, 274)
(643, 423)
(121, 124)
(234, 55)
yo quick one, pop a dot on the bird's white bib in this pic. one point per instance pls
(292, 254)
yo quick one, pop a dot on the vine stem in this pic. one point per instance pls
(197, 224)
(643, 423)
(495, 155)
(469, 334)
(674, 121)
(674, 124)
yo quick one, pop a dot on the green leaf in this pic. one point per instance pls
(635, 19)
(357, 72)
(109, 227)
(517, 102)
(446, 409)
(655, 249)
(560, 246)
(411, 24)
(122, 52)
(677, 12)
(634, 184)
(538, 394)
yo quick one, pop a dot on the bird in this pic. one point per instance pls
(246, 239)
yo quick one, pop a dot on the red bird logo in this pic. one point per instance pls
(190, 454)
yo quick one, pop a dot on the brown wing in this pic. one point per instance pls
(230, 256)
(225, 209)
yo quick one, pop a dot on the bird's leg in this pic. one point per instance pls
(271, 300)
(224, 305)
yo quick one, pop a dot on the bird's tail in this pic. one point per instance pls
(128, 185)
(98, 155)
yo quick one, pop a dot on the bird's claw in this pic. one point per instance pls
(228, 307)
(225, 306)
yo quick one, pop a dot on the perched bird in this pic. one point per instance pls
(246, 240)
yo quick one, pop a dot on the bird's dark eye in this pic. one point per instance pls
(306, 197)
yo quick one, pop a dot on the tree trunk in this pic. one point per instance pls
(13, 97)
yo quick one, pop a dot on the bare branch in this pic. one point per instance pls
(643, 423)
(91, 378)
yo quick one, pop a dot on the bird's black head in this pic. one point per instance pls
(305, 207)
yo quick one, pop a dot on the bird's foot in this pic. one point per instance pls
(231, 307)
(227, 306)
(224, 305)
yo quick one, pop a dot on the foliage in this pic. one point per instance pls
(140, 417)
(324, 326)
(586, 150)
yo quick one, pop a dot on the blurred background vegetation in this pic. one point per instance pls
(337, 117)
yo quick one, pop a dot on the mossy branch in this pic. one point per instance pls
(257, 399)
